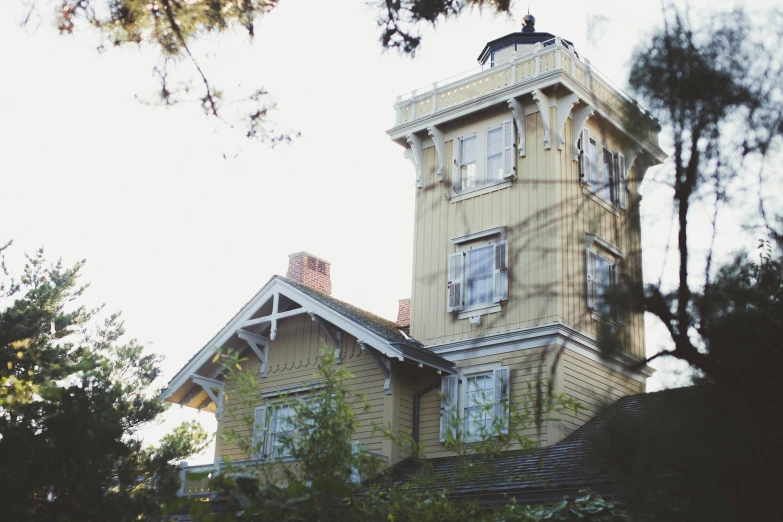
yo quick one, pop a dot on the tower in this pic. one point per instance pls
(526, 218)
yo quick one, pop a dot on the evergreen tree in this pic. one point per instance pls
(72, 404)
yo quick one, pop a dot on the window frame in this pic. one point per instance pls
(595, 182)
(457, 273)
(600, 248)
(508, 159)
(498, 372)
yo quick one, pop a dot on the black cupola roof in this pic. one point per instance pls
(528, 36)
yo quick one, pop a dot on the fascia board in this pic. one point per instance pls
(544, 80)
(312, 305)
(207, 352)
(535, 337)
(484, 101)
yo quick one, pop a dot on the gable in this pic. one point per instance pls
(257, 325)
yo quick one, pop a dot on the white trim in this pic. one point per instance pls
(594, 239)
(501, 231)
(279, 286)
(520, 88)
(543, 102)
(479, 191)
(535, 337)
(564, 106)
(481, 310)
(294, 389)
(440, 149)
(601, 201)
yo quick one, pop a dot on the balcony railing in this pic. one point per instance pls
(554, 54)
(194, 480)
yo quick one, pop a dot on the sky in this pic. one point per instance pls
(178, 238)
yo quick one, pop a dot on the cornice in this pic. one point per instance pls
(536, 337)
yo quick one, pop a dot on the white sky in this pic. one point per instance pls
(179, 238)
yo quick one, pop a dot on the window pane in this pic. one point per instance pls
(468, 176)
(603, 276)
(469, 150)
(495, 141)
(480, 271)
(479, 398)
(495, 167)
(608, 182)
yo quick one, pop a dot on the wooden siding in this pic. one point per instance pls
(592, 384)
(525, 366)
(292, 360)
(547, 217)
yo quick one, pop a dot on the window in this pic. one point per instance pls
(478, 277)
(495, 154)
(474, 403)
(607, 187)
(604, 280)
(468, 163)
(498, 148)
(281, 430)
(610, 184)
(278, 421)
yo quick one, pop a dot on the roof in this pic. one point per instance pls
(546, 474)
(379, 333)
(524, 38)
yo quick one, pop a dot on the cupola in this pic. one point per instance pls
(497, 52)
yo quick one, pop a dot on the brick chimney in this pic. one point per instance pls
(311, 271)
(404, 313)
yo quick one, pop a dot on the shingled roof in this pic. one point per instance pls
(547, 474)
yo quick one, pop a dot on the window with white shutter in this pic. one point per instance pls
(604, 275)
(501, 407)
(454, 296)
(456, 176)
(475, 403)
(622, 176)
(584, 157)
(500, 292)
(495, 143)
(509, 150)
(449, 419)
(259, 432)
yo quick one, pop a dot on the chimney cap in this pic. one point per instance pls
(308, 254)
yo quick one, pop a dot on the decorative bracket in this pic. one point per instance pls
(440, 149)
(275, 316)
(260, 346)
(335, 334)
(383, 362)
(518, 110)
(214, 390)
(564, 107)
(631, 153)
(578, 120)
(543, 106)
(416, 155)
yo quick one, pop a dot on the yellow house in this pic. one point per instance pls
(527, 174)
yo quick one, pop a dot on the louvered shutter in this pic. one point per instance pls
(454, 296)
(259, 432)
(456, 174)
(622, 303)
(448, 407)
(501, 407)
(509, 151)
(591, 283)
(623, 181)
(500, 292)
(584, 157)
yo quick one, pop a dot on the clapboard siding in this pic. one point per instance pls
(547, 217)
(594, 385)
(525, 367)
(293, 359)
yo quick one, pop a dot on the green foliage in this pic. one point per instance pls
(323, 488)
(72, 404)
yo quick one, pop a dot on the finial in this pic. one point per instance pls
(528, 22)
